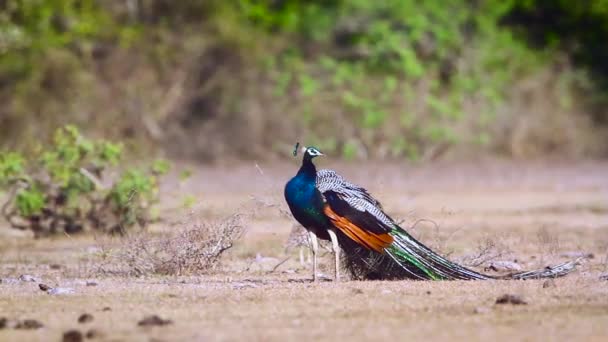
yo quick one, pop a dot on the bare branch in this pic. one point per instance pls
(96, 181)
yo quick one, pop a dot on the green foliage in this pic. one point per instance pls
(30, 202)
(11, 166)
(381, 57)
(62, 187)
(344, 72)
(29, 29)
(161, 167)
(134, 191)
(579, 29)
(184, 175)
(188, 201)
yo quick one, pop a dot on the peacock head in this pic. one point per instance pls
(311, 152)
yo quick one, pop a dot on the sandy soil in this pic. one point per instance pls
(535, 213)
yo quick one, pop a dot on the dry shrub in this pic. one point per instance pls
(548, 241)
(195, 247)
(487, 250)
(432, 235)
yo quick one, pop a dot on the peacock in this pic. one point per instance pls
(373, 245)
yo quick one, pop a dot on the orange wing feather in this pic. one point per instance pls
(376, 242)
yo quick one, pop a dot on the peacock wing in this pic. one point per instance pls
(353, 211)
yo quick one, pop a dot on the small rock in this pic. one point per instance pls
(85, 318)
(242, 285)
(93, 333)
(92, 283)
(107, 308)
(481, 310)
(6, 323)
(548, 283)
(9, 281)
(604, 276)
(72, 336)
(55, 266)
(504, 266)
(28, 324)
(577, 254)
(510, 299)
(93, 250)
(44, 287)
(60, 291)
(357, 291)
(28, 278)
(428, 293)
(154, 320)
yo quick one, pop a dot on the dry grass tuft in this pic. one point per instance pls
(487, 250)
(196, 247)
(548, 241)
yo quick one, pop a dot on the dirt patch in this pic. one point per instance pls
(470, 204)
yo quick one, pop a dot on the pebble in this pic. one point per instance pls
(154, 320)
(28, 324)
(505, 265)
(61, 291)
(510, 299)
(72, 336)
(548, 283)
(28, 278)
(85, 318)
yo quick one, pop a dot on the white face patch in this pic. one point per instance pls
(313, 152)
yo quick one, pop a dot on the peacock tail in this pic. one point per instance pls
(375, 247)
(408, 258)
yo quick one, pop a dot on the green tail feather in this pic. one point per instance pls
(407, 258)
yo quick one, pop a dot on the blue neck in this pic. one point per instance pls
(305, 201)
(307, 171)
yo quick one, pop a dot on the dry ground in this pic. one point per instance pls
(532, 212)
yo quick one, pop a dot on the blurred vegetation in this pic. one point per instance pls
(60, 188)
(578, 29)
(398, 78)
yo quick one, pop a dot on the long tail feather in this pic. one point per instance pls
(547, 272)
(407, 258)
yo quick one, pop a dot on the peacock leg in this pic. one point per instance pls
(314, 243)
(336, 248)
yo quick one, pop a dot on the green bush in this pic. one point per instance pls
(397, 78)
(402, 72)
(61, 189)
(579, 30)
